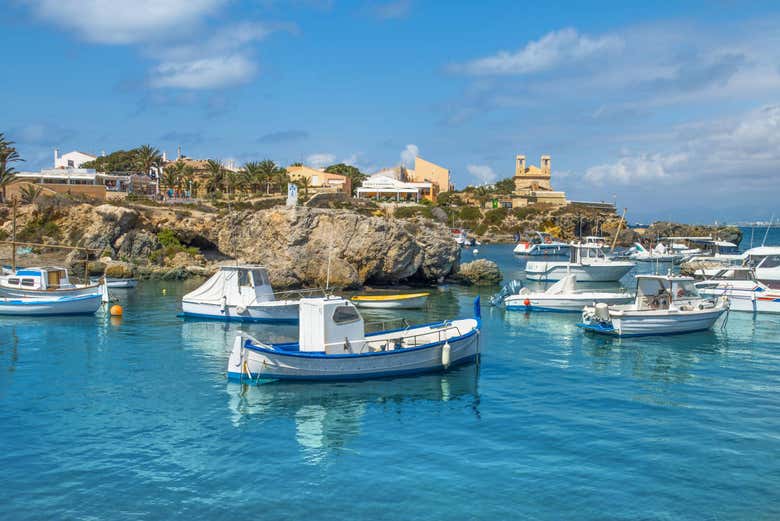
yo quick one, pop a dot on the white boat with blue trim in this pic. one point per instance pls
(744, 290)
(47, 281)
(48, 306)
(240, 293)
(333, 345)
(562, 297)
(664, 305)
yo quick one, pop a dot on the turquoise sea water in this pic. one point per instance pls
(133, 419)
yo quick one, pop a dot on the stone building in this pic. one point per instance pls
(532, 184)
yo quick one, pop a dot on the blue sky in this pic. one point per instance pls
(673, 108)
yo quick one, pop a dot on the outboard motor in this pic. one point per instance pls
(512, 288)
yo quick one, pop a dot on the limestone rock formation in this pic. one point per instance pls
(297, 243)
(481, 272)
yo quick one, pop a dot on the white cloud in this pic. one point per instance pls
(208, 73)
(555, 49)
(408, 154)
(632, 169)
(189, 54)
(320, 160)
(125, 21)
(484, 173)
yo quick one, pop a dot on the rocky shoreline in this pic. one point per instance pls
(302, 246)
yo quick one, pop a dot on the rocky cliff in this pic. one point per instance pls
(296, 244)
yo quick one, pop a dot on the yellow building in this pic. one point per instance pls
(532, 184)
(320, 179)
(427, 172)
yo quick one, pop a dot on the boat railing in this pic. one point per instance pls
(300, 293)
(382, 325)
(440, 334)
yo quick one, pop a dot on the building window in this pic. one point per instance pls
(70, 163)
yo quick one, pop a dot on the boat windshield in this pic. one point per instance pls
(770, 261)
(684, 290)
(345, 314)
(652, 293)
(260, 278)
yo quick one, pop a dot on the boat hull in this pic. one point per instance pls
(81, 305)
(540, 250)
(121, 283)
(651, 323)
(7, 292)
(248, 362)
(571, 304)
(408, 303)
(274, 311)
(550, 271)
(747, 300)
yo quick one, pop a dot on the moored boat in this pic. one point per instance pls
(587, 262)
(116, 283)
(52, 305)
(241, 293)
(664, 305)
(562, 297)
(541, 244)
(744, 291)
(333, 345)
(404, 301)
(42, 282)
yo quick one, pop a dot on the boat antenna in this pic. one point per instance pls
(327, 274)
(752, 232)
(771, 220)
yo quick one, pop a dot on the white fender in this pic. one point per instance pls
(445, 354)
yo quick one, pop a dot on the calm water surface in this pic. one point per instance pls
(133, 419)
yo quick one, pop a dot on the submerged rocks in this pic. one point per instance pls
(481, 272)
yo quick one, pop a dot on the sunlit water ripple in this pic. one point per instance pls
(133, 419)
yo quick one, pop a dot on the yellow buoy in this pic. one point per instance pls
(164, 291)
(115, 311)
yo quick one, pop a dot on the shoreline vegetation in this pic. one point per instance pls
(329, 237)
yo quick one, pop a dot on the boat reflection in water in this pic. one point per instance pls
(327, 416)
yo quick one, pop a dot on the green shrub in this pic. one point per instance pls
(495, 217)
(469, 213)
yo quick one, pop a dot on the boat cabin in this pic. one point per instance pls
(763, 257)
(586, 252)
(235, 285)
(330, 324)
(658, 292)
(43, 279)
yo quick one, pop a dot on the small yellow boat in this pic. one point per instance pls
(406, 301)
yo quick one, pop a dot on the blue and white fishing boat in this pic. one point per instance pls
(47, 281)
(333, 345)
(241, 293)
(664, 305)
(47, 306)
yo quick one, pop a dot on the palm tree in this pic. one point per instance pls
(8, 154)
(252, 176)
(303, 182)
(147, 157)
(266, 169)
(172, 175)
(30, 193)
(281, 177)
(216, 171)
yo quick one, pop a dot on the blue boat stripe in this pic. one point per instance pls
(380, 374)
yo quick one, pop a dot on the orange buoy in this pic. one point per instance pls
(115, 311)
(527, 302)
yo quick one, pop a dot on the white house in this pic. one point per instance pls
(72, 159)
(385, 185)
